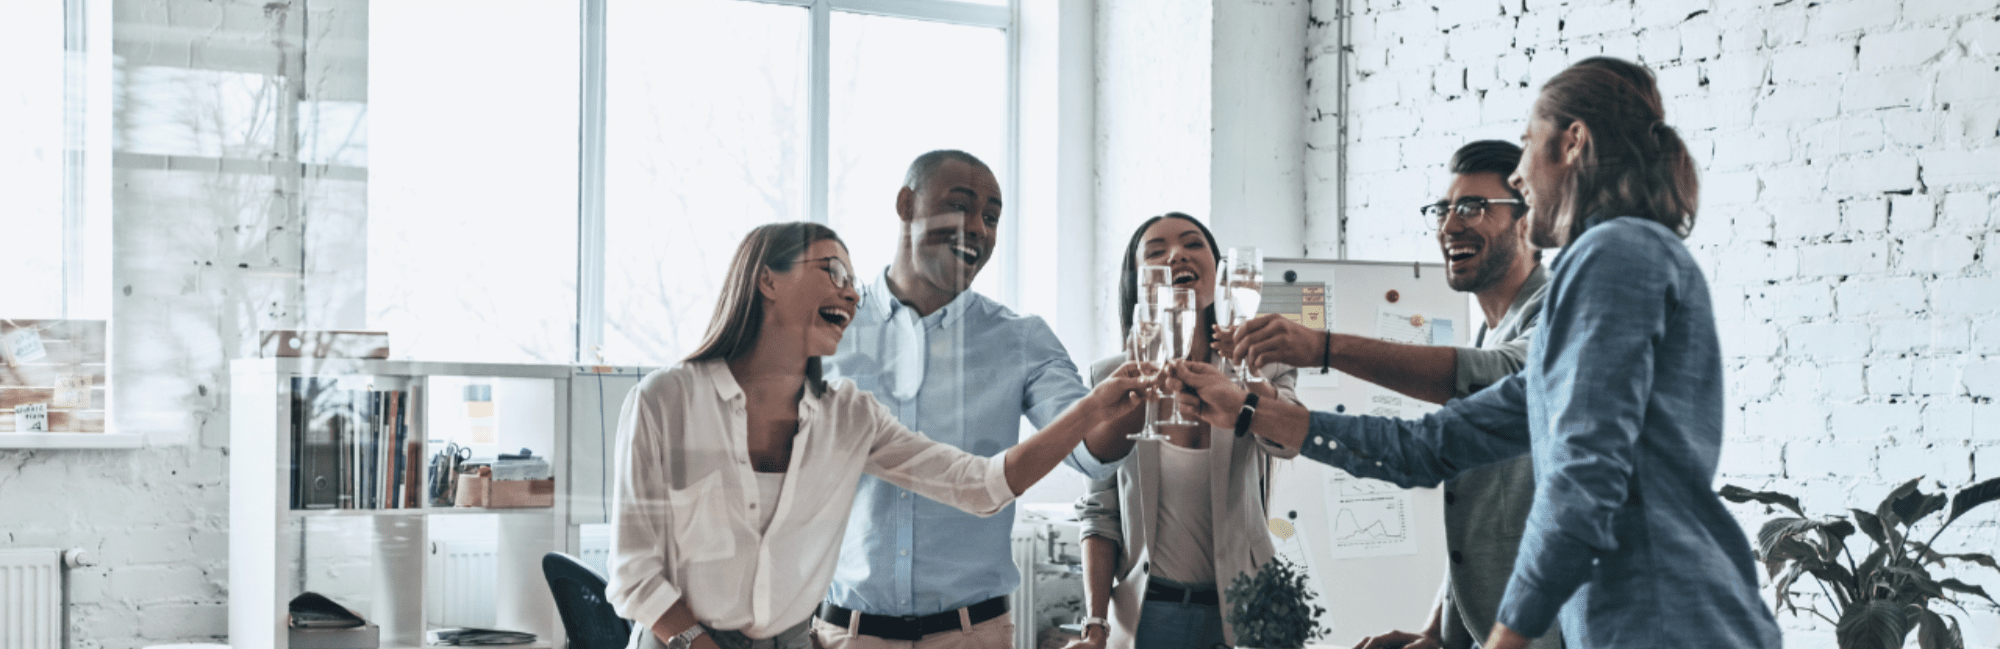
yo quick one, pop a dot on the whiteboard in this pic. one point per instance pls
(1367, 595)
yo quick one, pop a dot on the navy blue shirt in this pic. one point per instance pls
(1621, 407)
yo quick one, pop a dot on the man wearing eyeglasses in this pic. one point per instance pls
(1483, 239)
(962, 369)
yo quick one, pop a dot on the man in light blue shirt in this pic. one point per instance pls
(962, 369)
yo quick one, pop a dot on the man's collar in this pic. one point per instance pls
(885, 304)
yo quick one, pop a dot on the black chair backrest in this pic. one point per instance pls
(587, 618)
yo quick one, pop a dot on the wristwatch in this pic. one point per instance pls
(1095, 621)
(685, 639)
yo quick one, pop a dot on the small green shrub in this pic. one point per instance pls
(1273, 609)
(1878, 601)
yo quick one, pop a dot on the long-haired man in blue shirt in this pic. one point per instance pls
(962, 369)
(1620, 405)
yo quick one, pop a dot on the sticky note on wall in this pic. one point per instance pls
(31, 418)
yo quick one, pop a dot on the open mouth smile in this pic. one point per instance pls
(1461, 250)
(1185, 277)
(837, 316)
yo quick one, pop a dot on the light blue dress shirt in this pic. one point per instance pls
(963, 375)
(1620, 407)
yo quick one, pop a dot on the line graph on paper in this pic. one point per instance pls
(1367, 518)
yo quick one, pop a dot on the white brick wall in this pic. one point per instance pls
(1850, 157)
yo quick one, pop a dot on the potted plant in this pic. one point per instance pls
(1273, 609)
(1876, 602)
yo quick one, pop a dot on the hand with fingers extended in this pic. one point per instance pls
(1270, 338)
(1400, 640)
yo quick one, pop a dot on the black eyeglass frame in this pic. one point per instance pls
(843, 278)
(1468, 209)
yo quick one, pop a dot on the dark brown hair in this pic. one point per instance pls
(739, 311)
(1633, 163)
(1128, 289)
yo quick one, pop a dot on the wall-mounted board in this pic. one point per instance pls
(1377, 552)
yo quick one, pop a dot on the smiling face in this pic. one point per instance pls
(1480, 252)
(950, 226)
(806, 301)
(1547, 157)
(1177, 243)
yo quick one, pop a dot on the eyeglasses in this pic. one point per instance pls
(837, 270)
(1468, 209)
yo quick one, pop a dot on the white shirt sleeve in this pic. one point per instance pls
(642, 545)
(933, 469)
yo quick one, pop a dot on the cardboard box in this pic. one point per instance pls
(286, 343)
(471, 490)
(506, 494)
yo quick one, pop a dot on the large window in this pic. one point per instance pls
(720, 115)
(472, 167)
(54, 175)
(558, 181)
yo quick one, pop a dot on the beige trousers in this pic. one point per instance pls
(997, 633)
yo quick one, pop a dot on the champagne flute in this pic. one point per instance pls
(1151, 276)
(1245, 282)
(1143, 347)
(1177, 319)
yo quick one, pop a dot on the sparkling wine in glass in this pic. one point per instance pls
(1245, 287)
(1178, 317)
(1144, 347)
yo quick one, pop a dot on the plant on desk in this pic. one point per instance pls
(1273, 609)
(1878, 601)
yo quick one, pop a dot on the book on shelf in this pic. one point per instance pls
(352, 449)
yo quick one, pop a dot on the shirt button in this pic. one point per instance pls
(905, 552)
(906, 494)
(1450, 498)
(1457, 557)
(753, 505)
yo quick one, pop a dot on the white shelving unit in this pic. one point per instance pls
(380, 555)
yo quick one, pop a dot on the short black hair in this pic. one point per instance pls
(1493, 157)
(928, 163)
(1487, 157)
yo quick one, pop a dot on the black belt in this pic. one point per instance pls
(911, 628)
(1158, 592)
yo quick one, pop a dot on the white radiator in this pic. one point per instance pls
(31, 599)
(463, 578)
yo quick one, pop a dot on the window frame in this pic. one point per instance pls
(591, 256)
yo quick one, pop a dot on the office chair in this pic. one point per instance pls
(587, 618)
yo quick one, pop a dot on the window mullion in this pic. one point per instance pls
(819, 86)
(590, 254)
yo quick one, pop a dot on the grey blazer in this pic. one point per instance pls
(1486, 509)
(1122, 507)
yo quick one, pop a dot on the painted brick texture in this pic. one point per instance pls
(1850, 158)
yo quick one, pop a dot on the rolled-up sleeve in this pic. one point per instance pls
(1596, 359)
(642, 547)
(1100, 512)
(1482, 367)
(1053, 386)
(936, 470)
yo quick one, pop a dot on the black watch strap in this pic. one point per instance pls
(1248, 413)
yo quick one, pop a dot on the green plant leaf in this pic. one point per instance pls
(1887, 510)
(1934, 633)
(1865, 576)
(1954, 584)
(1973, 496)
(1834, 533)
(1917, 505)
(1783, 588)
(1872, 526)
(1913, 579)
(1872, 625)
(1737, 494)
